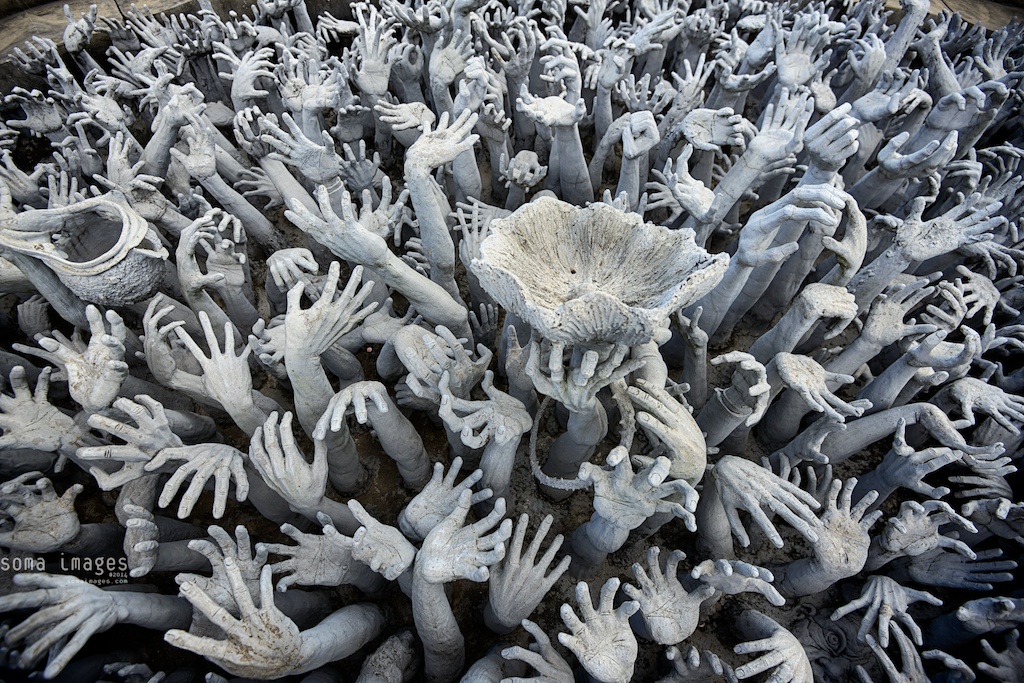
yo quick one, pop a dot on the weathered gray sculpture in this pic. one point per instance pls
(654, 276)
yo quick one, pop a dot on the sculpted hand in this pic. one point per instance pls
(998, 516)
(782, 651)
(439, 146)
(1007, 664)
(732, 577)
(383, 548)
(29, 420)
(501, 418)
(953, 570)
(318, 161)
(750, 379)
(669, 611)
(364, 399)
(452, 551)
(275, 455)
(95, 371)
(969, 221)
(201, 161)
(438, 499)
(313, 331)
(67, 607)
(601, 638)
(905, 466)
(519, 582)
(809, 379)
(226, 377)
(578, 391)
(843, 539)
(688, 193)
(141, 540)
(744, 485)
(545, 659)
(973, 394)
(884, 324)
(430, 356)
(884, 599)
(323, 560)
(288, 267)
(697, 667)
(261, 643)
(36, 520)
(553, 112)
(625, 500)
(914, 668)
(915, 530)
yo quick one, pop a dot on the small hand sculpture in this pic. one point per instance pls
(623, 500)
(29, 420)
(697, 667)
(913, 668)
(577, 390)
(1008, 664)
(381, 547)
(437, 500)
(452, 551)
(324, 560)
(915, 530)
(37, 521)
(262, 642)
(542, 656)
(744, 485)
(66, 605)
(519, 582)
(669, 611)
(274, 453)
(843, 539)
(905, 466)
(732, 577)
(665, 420)
(501, 418)
(429, 356)
(226, 376)
(885, 599)
(601, 638)
(997, 516)
(940, 567)
(810, 380)
(311, 332)
(95, 372)
(141, 540)
(220, 461)
(783, 653)
(442, 144)
(973, 394)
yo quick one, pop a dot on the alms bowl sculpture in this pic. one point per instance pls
(592, 275)
(103, 251)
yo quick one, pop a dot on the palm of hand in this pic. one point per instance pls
(773, 144)
(922, 240)
(45, 526)
(269, 642)
(607, 645)
(622, 504)
(35, 424)
(669, 611)
(553, 112)
(228, 265)
(795, 69)
(451, 558)
(327, 564)
(842, 544)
